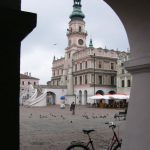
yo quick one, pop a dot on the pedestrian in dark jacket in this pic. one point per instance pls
(72, 108)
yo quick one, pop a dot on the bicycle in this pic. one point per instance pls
(115, 142)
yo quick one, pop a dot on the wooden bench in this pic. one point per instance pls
(121, 114)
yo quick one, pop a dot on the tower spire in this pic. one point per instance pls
(91, 43)
(77, 12)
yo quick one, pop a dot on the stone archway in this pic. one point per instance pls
(135, 16)
(111, 92)
(51, 98)
(100, 92)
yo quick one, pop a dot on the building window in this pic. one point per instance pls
(129, 83)
(122, 83)
(22, 82)
(100, 65)
(112, 80)
(100, 79)
(80, 80)
(85, 64)
(112, 66)
(68, 55)
(123, 71)
(75, 80)
(80, 28)
(34, 83)
(62, 71)
(69, 43)
(121, 64)
(75, 67)
(80, 66)
(85, 79)
(28, 83)
(66, 77)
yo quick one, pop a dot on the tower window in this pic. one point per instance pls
(80, 28)
(69, 55)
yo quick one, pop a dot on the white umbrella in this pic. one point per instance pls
(98, 96)
(119, 96)
(95, 97)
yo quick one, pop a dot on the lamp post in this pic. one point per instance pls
(94, 73)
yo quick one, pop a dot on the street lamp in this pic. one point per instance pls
(94, 73)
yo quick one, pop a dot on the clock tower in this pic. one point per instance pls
(76, 33)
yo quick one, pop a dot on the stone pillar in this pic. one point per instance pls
(135, 16)
(15, 25)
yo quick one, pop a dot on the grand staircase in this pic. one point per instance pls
(37, 98)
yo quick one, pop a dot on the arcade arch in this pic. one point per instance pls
(51, 98)
(85, 96)
(100, 92)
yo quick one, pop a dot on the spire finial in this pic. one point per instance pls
(77, 2)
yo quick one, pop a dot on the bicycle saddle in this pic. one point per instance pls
(88, 131)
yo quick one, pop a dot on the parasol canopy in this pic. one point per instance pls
(62, 97)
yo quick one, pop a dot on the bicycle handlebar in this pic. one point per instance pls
(111, 124)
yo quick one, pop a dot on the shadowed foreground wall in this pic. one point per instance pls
(14, 26)
(135, 16)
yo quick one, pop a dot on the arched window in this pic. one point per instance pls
(100, 92)
(129, 83)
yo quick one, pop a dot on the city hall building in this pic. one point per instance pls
(84, 70)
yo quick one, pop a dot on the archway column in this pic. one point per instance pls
(135, 16)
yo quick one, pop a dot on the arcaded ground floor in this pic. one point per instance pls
(52, 128)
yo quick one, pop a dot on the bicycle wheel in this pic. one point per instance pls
(77, 147)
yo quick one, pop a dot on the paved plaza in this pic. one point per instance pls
(52, 128)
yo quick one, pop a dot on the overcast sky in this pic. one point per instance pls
(38, 49)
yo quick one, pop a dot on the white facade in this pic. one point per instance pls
(84, 70)
(124, 78)
(26, 79)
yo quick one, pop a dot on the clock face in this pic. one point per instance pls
(80, 41)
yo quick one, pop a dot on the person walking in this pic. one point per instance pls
(72, 108)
